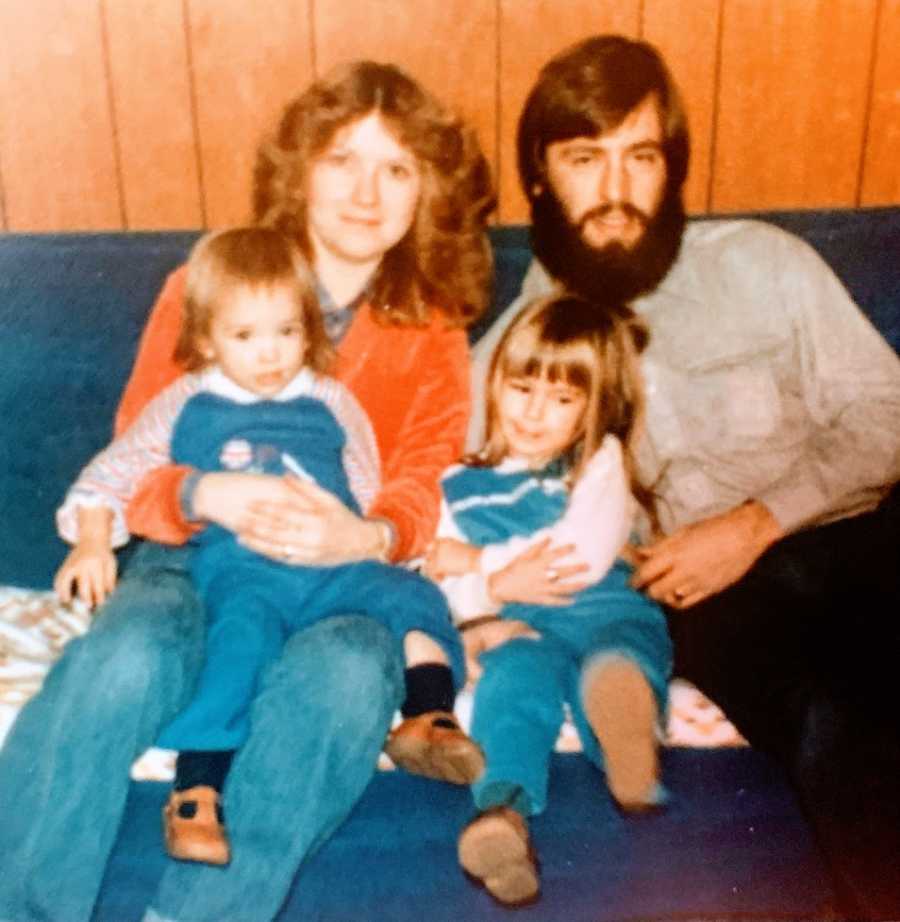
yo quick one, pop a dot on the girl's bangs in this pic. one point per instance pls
(529, 355)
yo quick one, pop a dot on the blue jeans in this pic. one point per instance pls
(319, 721)
(253, 605)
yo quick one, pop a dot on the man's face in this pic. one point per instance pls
(611, 185)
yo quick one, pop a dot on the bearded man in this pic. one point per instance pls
(772, 443)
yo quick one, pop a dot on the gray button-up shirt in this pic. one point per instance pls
(764, 381)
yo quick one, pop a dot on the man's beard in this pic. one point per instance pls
(614, 273)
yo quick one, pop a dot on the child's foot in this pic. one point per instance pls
(192, 824)
(434, 745)
(494, 848)
(621, 709)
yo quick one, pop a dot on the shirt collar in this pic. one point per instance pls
(214, 381)
(513, 465)
(337, 320)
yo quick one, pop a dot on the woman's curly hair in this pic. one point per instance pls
(444, 260)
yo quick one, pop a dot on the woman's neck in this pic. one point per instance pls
(342, 279)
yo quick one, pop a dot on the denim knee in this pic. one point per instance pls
(349, 656)
(149, 634)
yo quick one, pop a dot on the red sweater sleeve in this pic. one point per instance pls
(431, 438)
(155, 511)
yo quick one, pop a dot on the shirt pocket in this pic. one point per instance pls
(717, 402)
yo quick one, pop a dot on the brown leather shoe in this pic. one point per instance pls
(434, 745)
(621, 709)
(495, 849)
(193, 828)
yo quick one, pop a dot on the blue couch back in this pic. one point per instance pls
(72, 307)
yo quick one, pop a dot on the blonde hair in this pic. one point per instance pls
(590, 347)
(247, 257)
(445, 260)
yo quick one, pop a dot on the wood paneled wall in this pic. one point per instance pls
(144, 114)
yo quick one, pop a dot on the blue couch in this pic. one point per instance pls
(732, 844)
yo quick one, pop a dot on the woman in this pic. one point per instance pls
(387, 196)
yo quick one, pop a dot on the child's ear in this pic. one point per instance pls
(205, 348)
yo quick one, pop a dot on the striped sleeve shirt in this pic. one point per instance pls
(112, 478)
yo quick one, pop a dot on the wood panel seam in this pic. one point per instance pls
(311, 21)
(498, 103)
(195, 121)
(870, 96)
(714, 115)
(113, 120)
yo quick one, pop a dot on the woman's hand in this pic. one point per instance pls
(449, 557)
(538, 577)
(228, 499)
(486, 634)
(300, 523)
(89, 571)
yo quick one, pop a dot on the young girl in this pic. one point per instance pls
(258, 401)
(564, 401)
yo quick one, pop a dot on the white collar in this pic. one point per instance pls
(513, 465)
(215, 381)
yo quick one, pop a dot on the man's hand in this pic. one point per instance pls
(699, 560)
(537, 577)
(449, 557)
(484, 636)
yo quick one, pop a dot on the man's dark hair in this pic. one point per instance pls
(589, 89)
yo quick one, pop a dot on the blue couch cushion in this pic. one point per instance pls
(731, 844)
(72, 308)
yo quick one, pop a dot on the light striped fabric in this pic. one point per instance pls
(34, 627)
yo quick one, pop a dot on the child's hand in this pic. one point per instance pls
(91, 567)
(485, 636)
(449, 557)
(537, 577)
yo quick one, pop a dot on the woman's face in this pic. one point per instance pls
(362, 194)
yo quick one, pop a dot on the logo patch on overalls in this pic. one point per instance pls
(236, 455)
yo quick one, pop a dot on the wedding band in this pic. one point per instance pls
(552, 574)
(679, 595)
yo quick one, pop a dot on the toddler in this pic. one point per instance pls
(555, 480)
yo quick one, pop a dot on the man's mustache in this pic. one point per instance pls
(601, 211)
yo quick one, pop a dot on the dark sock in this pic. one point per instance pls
(429, 687)
(195, 767)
